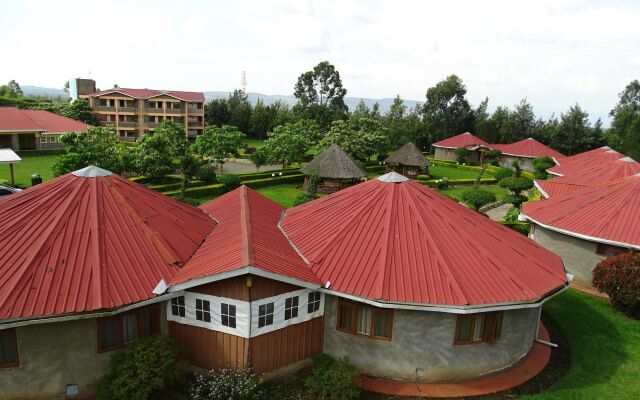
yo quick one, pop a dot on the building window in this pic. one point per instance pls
(203, 310)
(228, 315)
(119, 330)
(608, 250)
(291, 308)
(265, 315)
(363, 320)
(177, 306)
(8, 349)
(43, 140)
(314, 302)
(478, 328)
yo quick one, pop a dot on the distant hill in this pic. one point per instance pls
(351, 102)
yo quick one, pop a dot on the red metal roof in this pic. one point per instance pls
(149, 93)
(14, 119)
(578, 162)
(530, 148)
(461, 140)
(82, 243)
(403, 242)
(607, 212)
(590, 176)
(246, 234)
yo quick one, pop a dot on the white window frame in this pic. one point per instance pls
(205, 312)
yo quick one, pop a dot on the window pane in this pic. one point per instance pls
(199, 315)
(345, 317)
(364, 321)
(150, 322)
(129, 328)
(224, 309)
(232, 322)
(601, 249)
(270, 308)
(225, 320)
(110, 334)
(464, 332)
(381, 324)
(232, 311)
(479, 331)
(8, 353)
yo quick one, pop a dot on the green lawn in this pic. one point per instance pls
(605, 349)
(456, 192)
(440, 171)
(282, 194)
(40, 164)
(257, 143)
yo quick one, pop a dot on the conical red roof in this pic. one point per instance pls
(90, 240)
(607, 212)
(591, 176)
(395, 240)
(461, 140)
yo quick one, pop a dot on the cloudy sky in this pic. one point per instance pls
(554, 53)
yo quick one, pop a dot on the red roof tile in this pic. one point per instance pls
(461, 140)
(607, 212)
(246, 235)
(590, 176)
(530, 148)
(14, 119)
(149, 93)
(81, 243)
(578, 162)
(406, 243)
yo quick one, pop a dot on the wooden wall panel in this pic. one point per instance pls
(285, 346)
(264, 287)
(232, 288)
(210, 349)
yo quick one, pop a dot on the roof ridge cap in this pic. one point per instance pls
(97, 270)
(245, 227)
(390, 227)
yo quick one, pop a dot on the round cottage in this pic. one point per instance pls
(419, 287)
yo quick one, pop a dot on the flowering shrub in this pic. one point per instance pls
(227, 384)
(249, 150)
(333, 379)
(619, 277)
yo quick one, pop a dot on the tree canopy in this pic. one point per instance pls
(360, 137)
(287, 143)
(219, 142)
(625, 127)
(320, 94)
(157, 151)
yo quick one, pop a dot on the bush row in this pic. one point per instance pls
(217, 189)
(460, 182)
(520, 227)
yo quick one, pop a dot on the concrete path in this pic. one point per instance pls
(498, 213)
(244, 168)
(531, 365)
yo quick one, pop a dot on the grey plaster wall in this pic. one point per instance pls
(444, 154)
(422, 346)
(526, 164)
(56, 354)
(579, 256)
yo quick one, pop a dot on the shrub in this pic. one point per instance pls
(227, 384)
(502, 173)
(147, 369)
(303, 198)
(477, 197)
(515, 184)
(541, 165)
(333, 379)
(520, 227)
(515, 199)
(382, 156)
(442, 183)
(619, 277)
(462, 154)
(229, 181)
(491, 156)
(206, 173)
(423, 177)
(512, 215)
(250, 150)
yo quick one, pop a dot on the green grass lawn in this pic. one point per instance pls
(257, 143)
(40, 164)
(440, 171)
(605, 349)
(282, 194)
(456, 192)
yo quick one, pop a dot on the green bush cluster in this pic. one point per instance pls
(520, 227)
(333, 379)
(619, 277)
(227, 384)
(149, 368)
(502, 173)
(477, 197)
(230, 181)
(206, 173)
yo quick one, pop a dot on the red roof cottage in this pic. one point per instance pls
(444, 149)
(384, 271)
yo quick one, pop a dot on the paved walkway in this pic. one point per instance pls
(520, 373)
(498, 213)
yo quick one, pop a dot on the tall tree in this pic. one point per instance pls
(11, 89)
(216, 112)
(158, 150)
(320, 94)
(218, 143)
(287, 143)
(239, 111)
(80, 110)
(262, 118)
(446, 111)
(483, 125)
(361, 137)
(574, 133)
(625, 126)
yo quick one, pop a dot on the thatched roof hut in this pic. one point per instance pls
(410, 155)
(334, 163)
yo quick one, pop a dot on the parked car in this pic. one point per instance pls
(7, 190)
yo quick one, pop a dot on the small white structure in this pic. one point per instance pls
(8, 156)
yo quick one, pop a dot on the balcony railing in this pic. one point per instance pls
(174, 111)
(108, 123)
(128, 138)
(154, 110)
(127, 124)
(153, 124)
(195, 124)
(193, 110)
(105, 108)
(126, 109)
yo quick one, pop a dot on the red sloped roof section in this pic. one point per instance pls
(403, 242)
(609, 212)
(77, 244)
(37, 120)
(461, 140)
(578, 162)
(246, 234)
(148, 93)
(529, 148)
(591, 176)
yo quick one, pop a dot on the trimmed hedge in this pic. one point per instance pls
(461, 182)
(217, 189)
(27, 153)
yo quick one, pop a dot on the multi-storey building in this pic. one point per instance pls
(135, 112)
